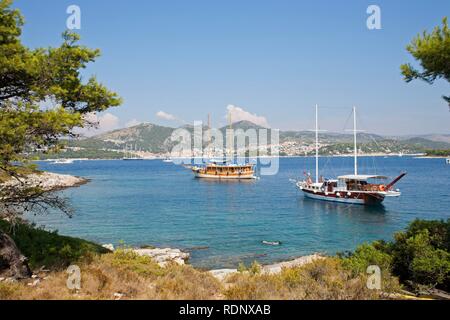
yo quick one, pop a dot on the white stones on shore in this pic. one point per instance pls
(108, 246)
(222, 274)
(48, 181)
(162, 256)
(277, 267)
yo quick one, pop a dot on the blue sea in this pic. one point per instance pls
(222, 223)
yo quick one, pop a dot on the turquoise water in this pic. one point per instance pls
(151, 202)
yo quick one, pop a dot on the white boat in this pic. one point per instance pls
(168, 160)
(63, 161)
(352, 188)
(271, 243)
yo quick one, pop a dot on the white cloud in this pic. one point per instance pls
(132, 123)
(239, 114)
(165, 116)
(102, 123)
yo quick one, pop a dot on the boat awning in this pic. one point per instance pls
(361, 177)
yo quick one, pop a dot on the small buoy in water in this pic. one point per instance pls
(272, 243)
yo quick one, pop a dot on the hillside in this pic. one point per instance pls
(146, 136)
(150, 139)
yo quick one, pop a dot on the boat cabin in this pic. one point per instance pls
(360, 183)
(228, 169)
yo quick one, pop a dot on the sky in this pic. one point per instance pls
(271, 62)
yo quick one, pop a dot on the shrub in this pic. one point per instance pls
(417, 257)
(127, 260)
(44, 248)
(420, 255)
(366, 255)
(322, 279)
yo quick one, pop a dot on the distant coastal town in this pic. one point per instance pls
(150, 141)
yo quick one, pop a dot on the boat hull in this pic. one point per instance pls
(346, 197)
(224, 177)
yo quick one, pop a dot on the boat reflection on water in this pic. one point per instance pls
(373, 213)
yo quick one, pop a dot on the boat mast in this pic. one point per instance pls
(354, 139)
(230, 137)
(209, 136)
(317, 143)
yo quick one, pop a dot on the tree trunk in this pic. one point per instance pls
(12, 263)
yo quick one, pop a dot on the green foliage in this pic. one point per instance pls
(241, 267)
(439, 232)
(432, 50)
(43, 248)
(438, 153)
(366, 255)
(42, 98)
(419, 255)
(81, 154)
(255, 268)
(128, 260)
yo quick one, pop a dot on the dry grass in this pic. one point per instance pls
(126, 273)
(322, 279)
(137, 277)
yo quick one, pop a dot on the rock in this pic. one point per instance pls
(163, 256)
(178, 261)
(108, 246)
(47, 181)
(221, 274)
(118, 295)
(277, 267)
(34, 276)
(12, 263)
(34, 283)
(2, 279)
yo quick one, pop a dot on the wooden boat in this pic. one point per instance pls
(353, 188)
(224, 170)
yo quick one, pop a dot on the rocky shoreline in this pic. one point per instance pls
(48, 181)
(163, 256)
(222, 274)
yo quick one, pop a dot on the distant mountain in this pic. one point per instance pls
(420, 142)
(437, 137)
(145, 137)
(244, 125)
(153, 138)
(431, 137)
(328, 137)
